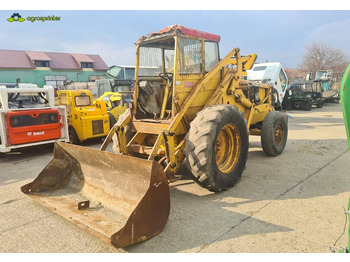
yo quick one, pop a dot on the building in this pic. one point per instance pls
(50, 68)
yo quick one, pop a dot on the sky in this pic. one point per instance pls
(276, 36)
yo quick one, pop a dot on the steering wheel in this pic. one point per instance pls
(167, 76)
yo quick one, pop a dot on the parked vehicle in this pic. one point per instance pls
(325, 76)
(85, 119)
(274, 74)
(303, 94)
(329, 94)
(29, 117)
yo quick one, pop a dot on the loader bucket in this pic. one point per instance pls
(121, 199)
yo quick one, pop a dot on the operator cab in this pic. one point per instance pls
(173, 57)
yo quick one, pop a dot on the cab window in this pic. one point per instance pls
(211, 55)
(190, 56)
(82, 100)
(283, 79)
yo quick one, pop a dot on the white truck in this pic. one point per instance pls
(29, 117)
(274, 74)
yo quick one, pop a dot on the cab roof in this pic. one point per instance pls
(180, 30)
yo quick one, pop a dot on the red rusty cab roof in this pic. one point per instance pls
(181, 30)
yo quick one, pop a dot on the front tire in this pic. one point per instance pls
(73, 137)
(274, 132)
(217, 147)
(307, 105)
(319, 104)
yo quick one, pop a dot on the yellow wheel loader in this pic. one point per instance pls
(188, 104)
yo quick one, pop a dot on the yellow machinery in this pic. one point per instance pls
(188, 104)
(85, 119)
(116, 105)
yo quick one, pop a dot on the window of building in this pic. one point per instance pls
(94, 78)
(38, 63)
(56, 81)
(86, 65)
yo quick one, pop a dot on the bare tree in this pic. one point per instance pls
(320, 56)
(294, 74)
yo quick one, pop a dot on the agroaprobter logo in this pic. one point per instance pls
(16, 17)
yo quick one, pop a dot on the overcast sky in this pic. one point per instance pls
(274, 35)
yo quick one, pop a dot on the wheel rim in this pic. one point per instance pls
(279, 134)
(227, 148)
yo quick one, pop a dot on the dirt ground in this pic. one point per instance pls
(290, 203)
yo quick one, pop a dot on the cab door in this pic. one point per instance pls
(195, 59)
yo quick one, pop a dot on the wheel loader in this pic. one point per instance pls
(189, 106)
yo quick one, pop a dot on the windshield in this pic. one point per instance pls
(26, 100)
(150, 61)
(82, 100)
(321, 74)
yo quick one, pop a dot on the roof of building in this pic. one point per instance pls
(25, 60)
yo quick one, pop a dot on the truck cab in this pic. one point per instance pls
(271, 73)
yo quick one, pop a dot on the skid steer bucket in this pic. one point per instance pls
(118, 198)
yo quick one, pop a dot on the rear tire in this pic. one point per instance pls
(274, 132)
(217, 147)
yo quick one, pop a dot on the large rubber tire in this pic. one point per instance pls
(319, 104)
(307, 105)
(73, 137)
(202, 143)
(274, 133)
(275, 100)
